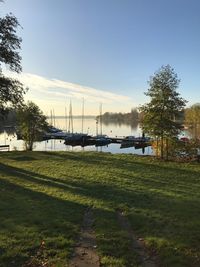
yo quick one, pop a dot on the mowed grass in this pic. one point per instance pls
(43, 197)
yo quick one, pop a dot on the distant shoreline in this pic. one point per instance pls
(75, 117)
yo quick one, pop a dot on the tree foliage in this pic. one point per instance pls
(11, 90)
(10, 43)
(165, 104)
(31, 124)
(192, 119)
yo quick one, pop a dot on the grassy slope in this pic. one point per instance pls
(43, 197)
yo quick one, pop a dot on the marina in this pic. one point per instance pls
(80, 139)
(115, 138)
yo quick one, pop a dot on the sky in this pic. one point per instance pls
(104, 50)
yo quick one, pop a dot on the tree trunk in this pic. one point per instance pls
(167, 148)
(156, 146)
(162, 147)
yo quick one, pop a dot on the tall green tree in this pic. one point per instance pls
(192, 119)
(165, 104)
(31, 124)
(11, 90)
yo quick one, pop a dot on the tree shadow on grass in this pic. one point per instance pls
(176, 178)
(19, 156)
(157, 205)
(153, 212)
(127, 162)
(29, 217)
(165, 172)
(105, 191)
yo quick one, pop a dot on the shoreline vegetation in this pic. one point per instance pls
(44, 196)
(134, 117)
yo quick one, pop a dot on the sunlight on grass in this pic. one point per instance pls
(44, 196)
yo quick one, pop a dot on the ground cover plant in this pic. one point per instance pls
(43, 197)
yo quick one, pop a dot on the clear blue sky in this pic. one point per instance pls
(105, 50)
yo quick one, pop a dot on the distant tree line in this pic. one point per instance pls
(126, 118)
(133, 117)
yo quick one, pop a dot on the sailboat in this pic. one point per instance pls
(100, 139)
(75, 139)
(53, 132)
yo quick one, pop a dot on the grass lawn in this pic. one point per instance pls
(43, 197)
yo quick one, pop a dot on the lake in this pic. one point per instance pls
(91, 127)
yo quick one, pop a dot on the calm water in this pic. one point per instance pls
(89, 127)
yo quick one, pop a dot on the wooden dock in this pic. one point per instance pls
(4, 147)
(79, 139)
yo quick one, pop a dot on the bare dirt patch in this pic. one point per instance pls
(137, 243)
(85, 254)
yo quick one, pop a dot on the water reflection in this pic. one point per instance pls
(7, 136)
(132, 125)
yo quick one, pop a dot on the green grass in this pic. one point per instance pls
(43, 197)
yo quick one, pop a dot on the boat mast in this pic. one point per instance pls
(97, 122)
(82, 115)
(66, 119)
(54, 118)
(70, 117)
(100, 111)
(51, 120)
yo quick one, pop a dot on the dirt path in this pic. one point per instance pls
(138, 245)
(85, 254)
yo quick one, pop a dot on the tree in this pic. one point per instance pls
(11, 90)
(192, 119)
(165, 104)
(31, 124)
